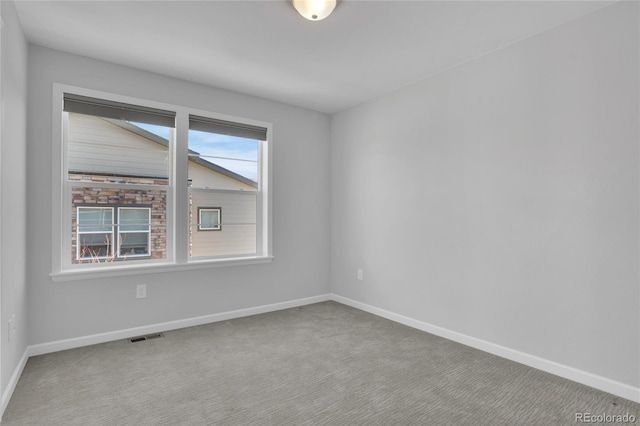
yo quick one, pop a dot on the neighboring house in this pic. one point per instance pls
(125, 169)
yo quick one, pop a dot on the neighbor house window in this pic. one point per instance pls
(139, 180)
(209, 218)
(94, 233)
(134, 232)
(108, 233)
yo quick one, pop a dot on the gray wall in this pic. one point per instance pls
(499, 198)
(300, 269)
(12, 195)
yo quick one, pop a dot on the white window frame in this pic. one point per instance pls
(116, 232)
(177, 232)
(210, 209)
(78, 233)
(120, 232)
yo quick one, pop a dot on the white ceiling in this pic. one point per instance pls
(264, 48)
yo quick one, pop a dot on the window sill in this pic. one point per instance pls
(124, 271)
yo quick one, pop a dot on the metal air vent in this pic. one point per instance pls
(147, 337)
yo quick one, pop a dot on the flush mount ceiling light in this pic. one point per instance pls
(314, 10)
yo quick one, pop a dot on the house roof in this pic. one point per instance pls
(193, 155)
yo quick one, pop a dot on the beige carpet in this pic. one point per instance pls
(323, 364)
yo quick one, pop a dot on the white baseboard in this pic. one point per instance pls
(13, 382)
(598, 382)
(570, 373)
(77, 342)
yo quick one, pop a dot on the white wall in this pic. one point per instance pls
(12, 195)
(499, 198)
(300, 269)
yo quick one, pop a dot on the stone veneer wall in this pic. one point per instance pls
(156, 199)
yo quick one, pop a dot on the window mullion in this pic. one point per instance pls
(62, 209)
(180, 185)
(115, 247)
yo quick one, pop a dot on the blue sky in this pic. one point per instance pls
(240, 155)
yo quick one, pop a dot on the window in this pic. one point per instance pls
(232, 152)
(110, 234)
(209, 218)
(111, 163)
(95, 233)
(139, 180)
(134, 232)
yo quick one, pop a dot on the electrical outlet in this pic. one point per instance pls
(141, 291)
(359, 274)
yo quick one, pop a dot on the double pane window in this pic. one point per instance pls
(123, 195)
(109, 233)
